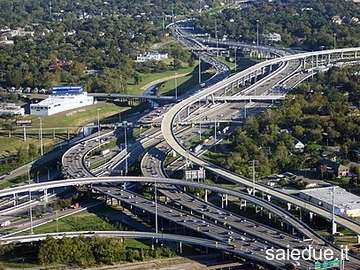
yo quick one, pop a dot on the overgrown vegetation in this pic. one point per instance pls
(321, 113)
(82, 251)
(307, 24)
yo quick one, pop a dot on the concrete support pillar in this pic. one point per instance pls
(15, 199)
(257, 209)
(46, 198)
(213, 99)
(270, 68)
(355, 55)
(226, 200)
(303, 63)
(242, 203)
(358, 239)
(329, 59)
(289, 206)
(317, 61)
(270, 216)
(269, 198)
(188, 111)
(222, 202)
(311, 215)
(180, 247)
(206, 195)
(334, 228)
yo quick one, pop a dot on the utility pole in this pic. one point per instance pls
(333, 228)
(156, 208)
(57, 221)
(50, 9)
(200, 129)
(215, 131)
(253, 162)
(30, 207)
(41, 138)
(176, 86)
(217, 40)
(235, 59)
(98, 124)
(199, 70)
(24, 127)
(126, 147)
(163, 22)
(257, 32)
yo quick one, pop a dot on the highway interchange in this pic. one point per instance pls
(231, 232)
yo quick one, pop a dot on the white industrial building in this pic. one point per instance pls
(62, 99)
(346, 203)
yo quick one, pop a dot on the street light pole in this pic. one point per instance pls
(217, 40)
(30, 207)
(235, 59)
(199, 70)
(253, 177)
(200, 129)
(215, 131)
(333, 210)
(98, 124)
(176, 86)
(257, 32)
(126, 147)
(156, 208)
(41, 138)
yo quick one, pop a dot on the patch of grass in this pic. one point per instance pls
(183, 83)
(79, 117)
(155, 78)
(14, 181)
(9, 146)
(83, 221)
(72, 119)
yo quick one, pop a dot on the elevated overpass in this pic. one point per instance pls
(309, 58)
(267, 98)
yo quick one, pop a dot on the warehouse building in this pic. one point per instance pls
(62, 99)
(346, 203)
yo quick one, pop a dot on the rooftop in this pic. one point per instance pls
(56, 99)
(343, 199)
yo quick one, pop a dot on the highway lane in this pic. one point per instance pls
(75, 182)
(244, 244)
(169, 135)
(113, 192)
(127, 234)
(152, 167)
